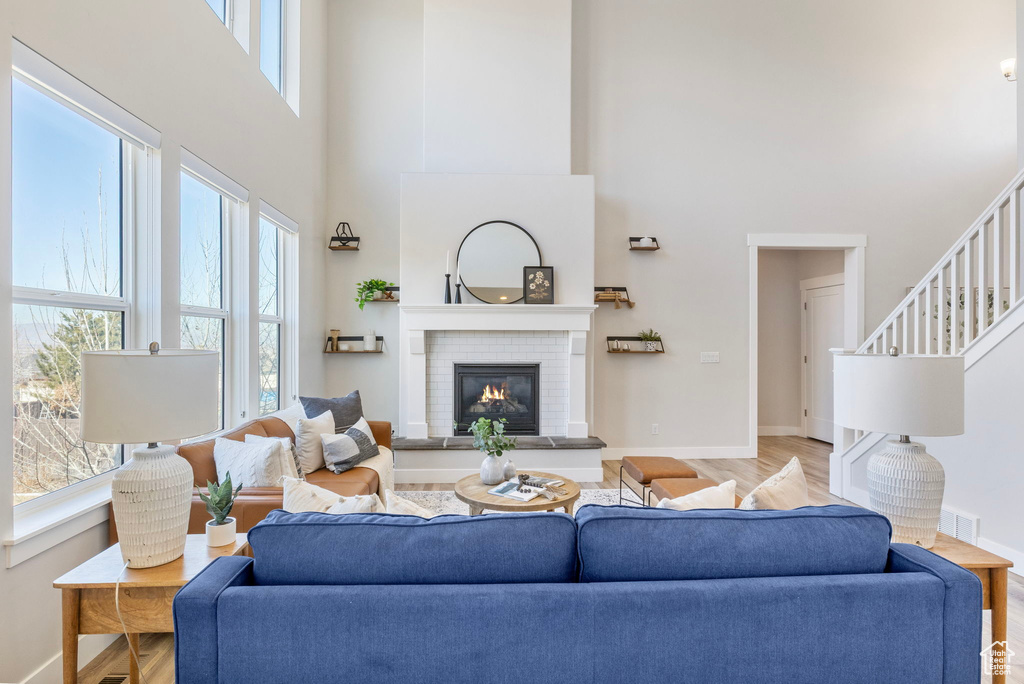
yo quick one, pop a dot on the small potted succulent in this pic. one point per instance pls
(650, 339)
(375, 288)
(221, 530)
(489, 437)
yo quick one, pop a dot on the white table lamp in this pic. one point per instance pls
(903, 395)
(145, 397)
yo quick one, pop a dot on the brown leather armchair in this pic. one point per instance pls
(254, 503)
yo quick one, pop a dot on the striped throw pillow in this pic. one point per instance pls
(348, 449)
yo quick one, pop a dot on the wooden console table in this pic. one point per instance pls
(146, 596)
(991, 569)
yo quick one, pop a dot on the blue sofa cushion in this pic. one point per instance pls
(625, 543)
(318, 548)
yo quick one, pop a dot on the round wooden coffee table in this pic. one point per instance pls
(474, 492)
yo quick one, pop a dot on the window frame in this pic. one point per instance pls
(282, 88)
(139, 153)
(287, 306)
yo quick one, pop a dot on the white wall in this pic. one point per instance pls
(497, 76)
(702, 122)
(172, 64)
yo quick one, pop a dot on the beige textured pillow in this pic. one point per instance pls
(400, 506)
(285, 453)
(252, 465)
(307, 440)
(722, 496)
(784, 490)
(301, 496)
(360, 503)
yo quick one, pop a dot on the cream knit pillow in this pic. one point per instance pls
(252, 465)
(400, 506)
(722, 496)
(784, 490)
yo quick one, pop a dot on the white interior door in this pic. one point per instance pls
(822, 330)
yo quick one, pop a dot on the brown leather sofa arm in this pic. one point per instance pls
(381, 430)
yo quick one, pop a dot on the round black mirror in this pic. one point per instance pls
(491, 260)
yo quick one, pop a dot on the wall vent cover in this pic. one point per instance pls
(963, 526)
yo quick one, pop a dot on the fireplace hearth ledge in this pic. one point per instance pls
(525, 442)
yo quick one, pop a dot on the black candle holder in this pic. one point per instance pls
(458, 293)
(447, 288)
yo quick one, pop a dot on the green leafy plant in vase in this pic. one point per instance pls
(221, 530)
(650, 339)
(366, 291)
(490, 438)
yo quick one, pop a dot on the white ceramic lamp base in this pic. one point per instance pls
(905, 485)
(152, 496)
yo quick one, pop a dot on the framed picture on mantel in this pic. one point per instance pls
(538, 284)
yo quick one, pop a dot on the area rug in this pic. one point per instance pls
(445, 503)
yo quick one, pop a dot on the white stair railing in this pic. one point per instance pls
(972, 287)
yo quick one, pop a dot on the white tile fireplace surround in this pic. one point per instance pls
(547, 348)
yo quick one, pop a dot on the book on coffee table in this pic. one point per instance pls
(510, 490)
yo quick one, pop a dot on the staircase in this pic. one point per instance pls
(967, 304)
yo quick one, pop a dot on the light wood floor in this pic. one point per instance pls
(111, 666)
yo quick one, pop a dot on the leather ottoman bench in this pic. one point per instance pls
(646, 469)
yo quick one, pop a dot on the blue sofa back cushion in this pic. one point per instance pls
(358, 548)
(624, 543)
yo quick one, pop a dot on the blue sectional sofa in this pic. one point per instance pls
(618, 594)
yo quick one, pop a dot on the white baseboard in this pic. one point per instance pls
(1006, 552)
(450, 475)
(777, 431)
(616, 453)
(52, 671)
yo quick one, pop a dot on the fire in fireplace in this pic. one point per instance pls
(496, 392)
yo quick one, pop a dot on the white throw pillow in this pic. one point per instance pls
(350, 448)
(399, 506)
(360, 503)
(291, 416)
(307, 440)
(285, 451)
(722, 496)
(252, 465)
(784, 490)
(301, 496)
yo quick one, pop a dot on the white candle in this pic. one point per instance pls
(448, 262)
(457, 271)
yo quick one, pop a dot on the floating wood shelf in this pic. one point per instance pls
(636, 345)
(357, 339)
(393, 300)
(343, 248)
(634, 245)
(618, 295)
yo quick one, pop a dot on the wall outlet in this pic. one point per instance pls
(654, 428)
(709, 357)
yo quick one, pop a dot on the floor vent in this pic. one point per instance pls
(958, 524)
(119, 679)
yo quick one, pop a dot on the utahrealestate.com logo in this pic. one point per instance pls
(996, 658)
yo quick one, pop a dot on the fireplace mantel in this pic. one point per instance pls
(497, 316)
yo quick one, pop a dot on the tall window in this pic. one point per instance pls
(220, 8)
(204, 306)
(70, 246)
(272, 42)
(271, 320)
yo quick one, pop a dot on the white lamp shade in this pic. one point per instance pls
(133, 396)
(900, 395)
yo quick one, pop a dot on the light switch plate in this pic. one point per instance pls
(709, 357)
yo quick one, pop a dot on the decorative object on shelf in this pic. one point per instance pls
(370, 341)
(458, 293)
(493, 255)
(644, 244)
(650, 339)
(145, 397)
(539, 284)
(490, 438)
(448, 277)
(620, 344)
(343, 239)
(389, 293)
(221, 530)
(368, 290)
(1009, 67)
(903, 395)
(354, 344)
(619, 295)
(332, 340)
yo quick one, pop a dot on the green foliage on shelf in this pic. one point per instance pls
(365, 290)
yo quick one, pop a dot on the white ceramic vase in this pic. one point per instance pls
(152, 495)
(370, 342)
(491, 471)
(220, 535)
(905, 485)
(509, 471)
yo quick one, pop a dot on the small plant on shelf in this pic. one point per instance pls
(366, 290)
(650, 339)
